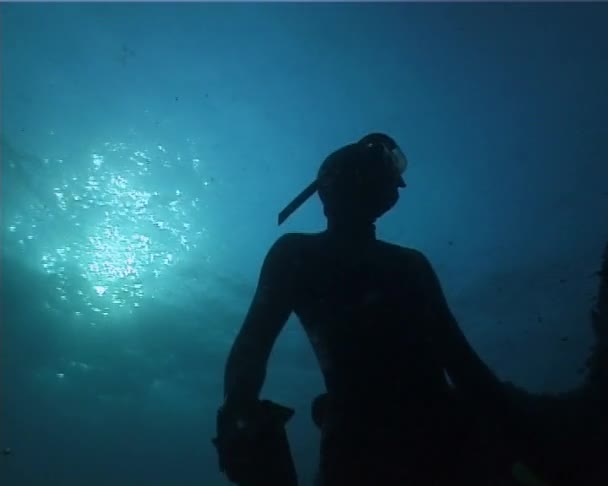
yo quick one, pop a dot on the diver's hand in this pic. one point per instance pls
(245, 432)
(239, 408)
(234, 438)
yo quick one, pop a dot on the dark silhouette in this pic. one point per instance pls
(403, 384)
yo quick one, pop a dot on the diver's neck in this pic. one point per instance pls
(352, 230)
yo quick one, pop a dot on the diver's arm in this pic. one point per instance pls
(246, 366)
(463, 365)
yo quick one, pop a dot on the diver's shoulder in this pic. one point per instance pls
(402, 252)
(294, 241)
(293, 247)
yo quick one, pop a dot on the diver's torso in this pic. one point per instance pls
(359, 303)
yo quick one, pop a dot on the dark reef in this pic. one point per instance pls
(566, 434)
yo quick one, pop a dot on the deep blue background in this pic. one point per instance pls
(147, 149)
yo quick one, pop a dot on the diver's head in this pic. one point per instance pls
(357, 183)
(360, 182)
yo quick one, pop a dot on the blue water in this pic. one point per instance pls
(146, 152)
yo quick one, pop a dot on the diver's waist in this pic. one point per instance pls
(388, 407)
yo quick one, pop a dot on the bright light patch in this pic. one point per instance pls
(108, 236)
(97, 160)
(100, 289)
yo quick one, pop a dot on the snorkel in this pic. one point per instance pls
(392, 152)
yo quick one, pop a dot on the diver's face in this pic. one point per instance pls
(392, 197)
(382, 198)
(389, 185)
